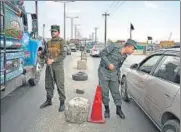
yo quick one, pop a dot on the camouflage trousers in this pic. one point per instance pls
(58, 79)
(109, 81)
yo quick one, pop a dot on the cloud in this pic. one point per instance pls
(149, 4)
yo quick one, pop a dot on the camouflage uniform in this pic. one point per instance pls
(56, 51)
(109, 80)
(55, 72)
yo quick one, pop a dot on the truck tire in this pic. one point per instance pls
(80, 76)
(37, 71)
(124, 90)
(171, 126)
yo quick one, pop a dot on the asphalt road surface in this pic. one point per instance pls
(20, 110)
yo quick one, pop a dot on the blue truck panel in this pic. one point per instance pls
(14, 65)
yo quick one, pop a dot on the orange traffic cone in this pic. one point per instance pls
(96, 114)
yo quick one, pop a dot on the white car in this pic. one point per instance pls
(73, 47)
(95, 51)
(154, 84)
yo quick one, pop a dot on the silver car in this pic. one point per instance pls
(154, 84)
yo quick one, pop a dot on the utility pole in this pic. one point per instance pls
(64, 19)
(36, 10)
(43, 31)
(105, 34)
(72, 22)
(92, 36)
(64, 2)
(96, 34)
(76, 30)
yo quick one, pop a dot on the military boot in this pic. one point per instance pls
(119, 112)
(62, 106)
(47, 103)
(107, 112)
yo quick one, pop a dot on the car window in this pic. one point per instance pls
(148, 65)
(169, 69)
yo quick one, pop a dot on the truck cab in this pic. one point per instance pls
(19, 49)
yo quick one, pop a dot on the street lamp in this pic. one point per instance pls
(65, 17)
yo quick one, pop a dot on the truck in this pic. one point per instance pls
(20, 62)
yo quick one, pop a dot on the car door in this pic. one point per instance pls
(137, 78)
(163, 86)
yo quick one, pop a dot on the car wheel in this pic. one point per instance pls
(33, 81)
(80, 76)
(171, 126)
(124, 90)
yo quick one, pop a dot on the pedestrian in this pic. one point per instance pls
(112, 58)
(55, 74)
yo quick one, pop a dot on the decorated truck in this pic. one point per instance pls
(19, 49)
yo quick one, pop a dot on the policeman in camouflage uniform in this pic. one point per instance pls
(55, 70)
(112, 58)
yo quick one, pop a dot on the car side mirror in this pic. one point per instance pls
(134, 66)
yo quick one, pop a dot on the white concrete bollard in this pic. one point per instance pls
(81, 64)
(77, 110)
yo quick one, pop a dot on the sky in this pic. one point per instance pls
(157, 19)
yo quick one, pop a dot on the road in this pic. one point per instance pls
(20, 110)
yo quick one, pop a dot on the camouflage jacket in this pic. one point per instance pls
(55, 50)
(111, 55)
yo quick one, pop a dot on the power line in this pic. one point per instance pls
(113, 3)
(119, 5)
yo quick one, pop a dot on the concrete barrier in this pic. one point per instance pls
(81, 64)
(77, 110)
(84, 56)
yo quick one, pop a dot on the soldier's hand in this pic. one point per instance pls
(111, 67)
(50, 61)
